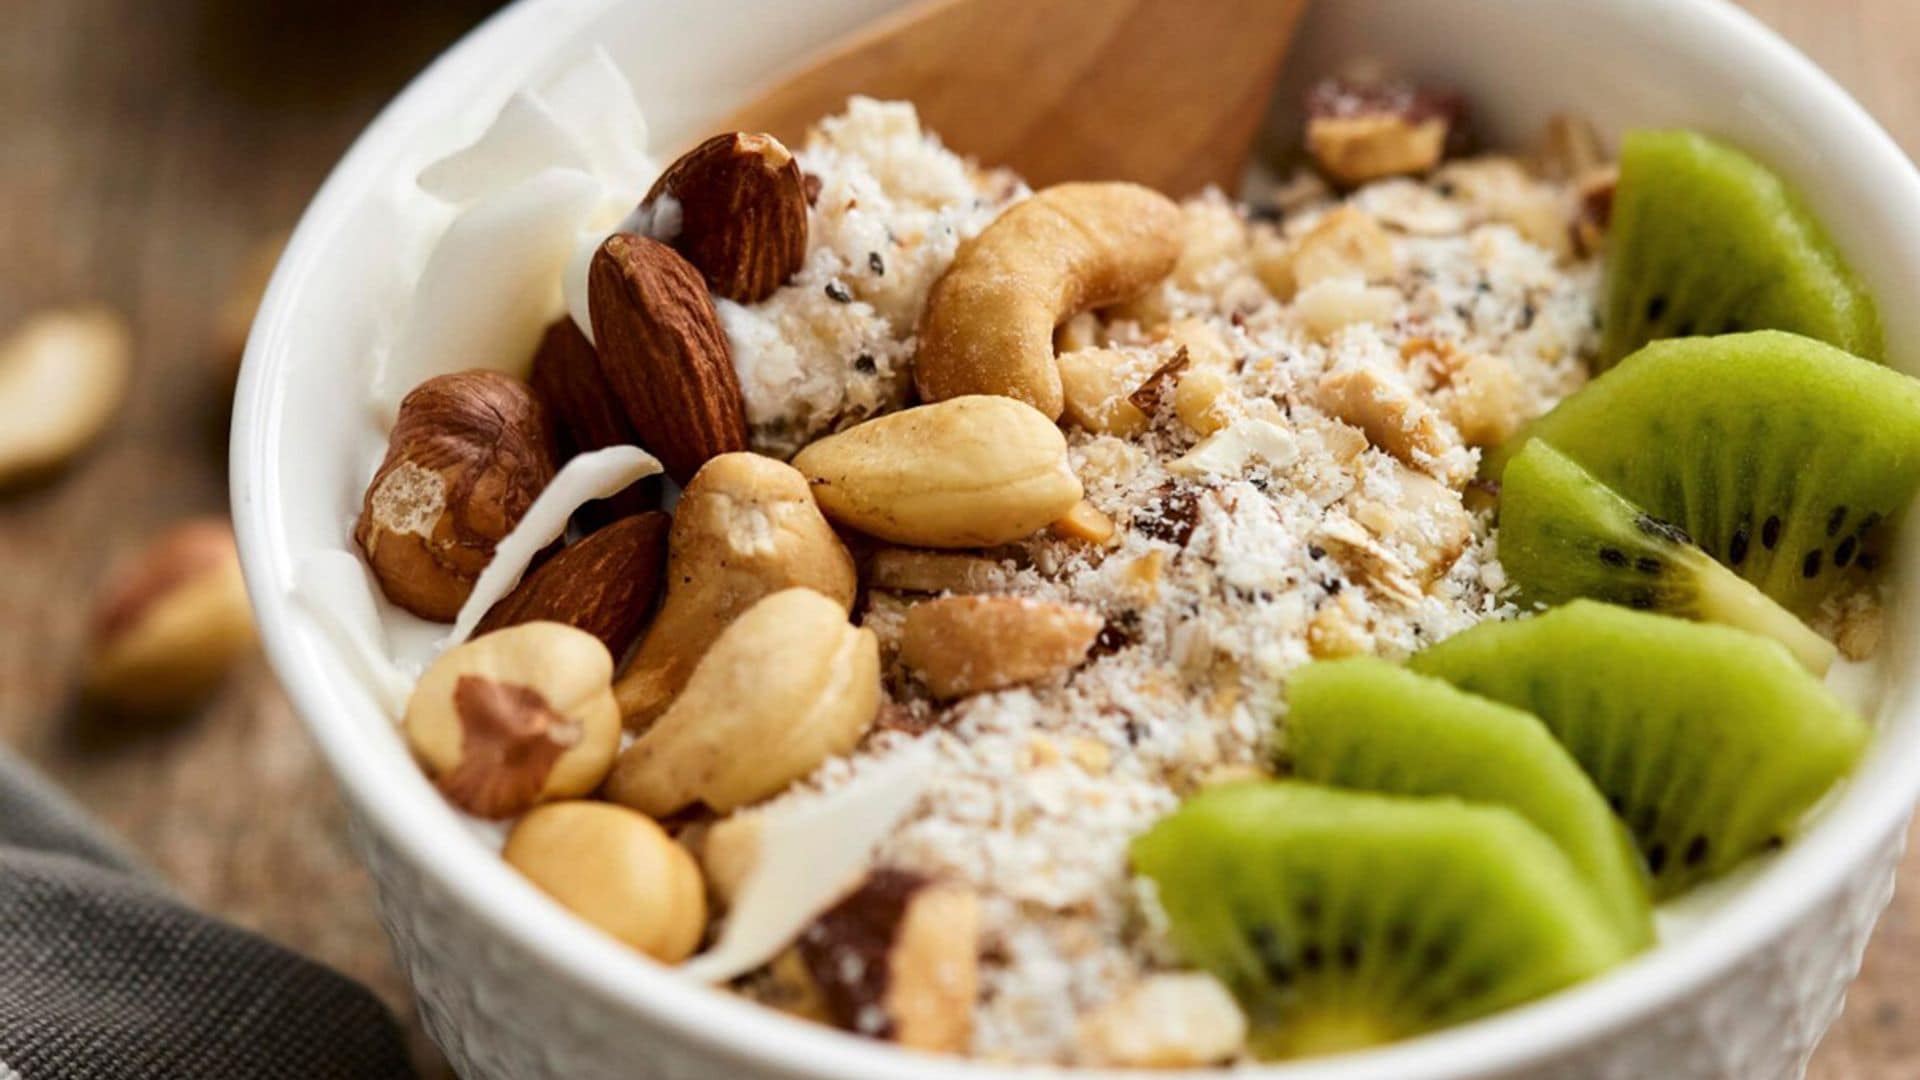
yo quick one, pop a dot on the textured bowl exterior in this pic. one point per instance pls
(512, 986)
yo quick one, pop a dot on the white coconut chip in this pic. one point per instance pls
(333, 588)
(525, 138)
(810, 856)
(589, 476)
(492, 284)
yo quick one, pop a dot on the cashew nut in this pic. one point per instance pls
(970, 472)
(989, 322)
(786, 686)
(745, 527)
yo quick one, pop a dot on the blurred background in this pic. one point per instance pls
(154, 156)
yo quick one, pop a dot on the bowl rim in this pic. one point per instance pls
(1876, 803)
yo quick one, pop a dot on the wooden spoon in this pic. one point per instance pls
(1167, 93)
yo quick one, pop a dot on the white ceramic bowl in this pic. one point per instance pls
(512, 986)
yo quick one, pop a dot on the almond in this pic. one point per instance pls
(663, 354)
(586, 416)
(736, 207)
(604, 584)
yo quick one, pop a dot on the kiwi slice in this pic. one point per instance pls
(1780, 456)
(1365, 723)
(1348, 919)
(1565, 535)
(1709, 741)
(1705, 240)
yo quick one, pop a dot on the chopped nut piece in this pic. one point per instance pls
(1386, 409)
(1203, 401)
(965, 645)
(916, 571)
(1594, 208)
(1166, 1021)
(899, 960)
(1346, 243)
(1337, 303)
(1094, 383)
(1426, 523)
(1206, 347)
(1359, 132)
(1084, 522)
(1568, 147)
(1338, 629)
(1368, 560)
(1484, 400)
(1229, 451)
(1501, 187)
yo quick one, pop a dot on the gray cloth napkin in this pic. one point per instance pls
(104, 976)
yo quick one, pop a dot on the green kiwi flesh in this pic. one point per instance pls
(1705, 240)
(1367, 724)
(1710, 742)
(1565, 535)
(1348, 919)
(1781, 457)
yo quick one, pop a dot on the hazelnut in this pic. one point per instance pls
(515, 718)
(466, 458)
(899, 959)
(63, 375)
(617, 870)
(787, 685)
(170, 622)
(1362, 131)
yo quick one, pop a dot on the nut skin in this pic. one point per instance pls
(968, 472)
(898, 959)
(617, 870)
(170, 623)
(566, 377)
(515, 718)
(604, 583)
(961, 645)
(746, 527)
(1358, 132)
(989, 320)
(663, 353)
(786, 686)
(467, 456)
(742, 213)
(63, 375)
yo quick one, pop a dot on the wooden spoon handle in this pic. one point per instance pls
(1164, 92)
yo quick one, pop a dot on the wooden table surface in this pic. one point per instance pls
(147, 148)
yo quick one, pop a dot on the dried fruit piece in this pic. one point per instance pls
(744, 528)
(787, 685)
(736, 207)
(604, 583)
(962, 645)
(466, 458)
(968, 472)
(515, 718)
(898, 960)
(63, 375)
(1359, 131)
(663, 353)
(988, 327)
(171, 622)
(617, 870)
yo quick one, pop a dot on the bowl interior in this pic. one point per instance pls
(305, 439)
